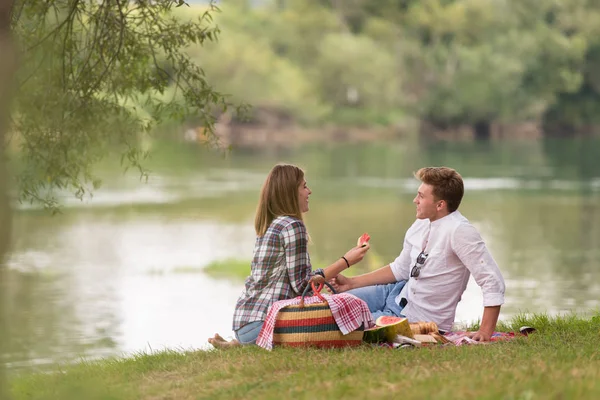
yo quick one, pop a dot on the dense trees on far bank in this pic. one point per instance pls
(447, 62)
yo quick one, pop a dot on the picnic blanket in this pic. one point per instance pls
(461, 337)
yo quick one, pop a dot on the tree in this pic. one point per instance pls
(575, 112)
(7, 64)
(246, 67)
(356, 71)
(479, 62)
(94, 76)
(91, 79)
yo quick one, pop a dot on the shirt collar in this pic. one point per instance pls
(440, 221)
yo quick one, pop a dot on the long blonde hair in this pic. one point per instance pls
(279, 196)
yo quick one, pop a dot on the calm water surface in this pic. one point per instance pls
(123, 272)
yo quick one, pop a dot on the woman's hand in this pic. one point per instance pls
(356, 254)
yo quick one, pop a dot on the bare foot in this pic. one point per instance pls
(219, 338)
(218, 342)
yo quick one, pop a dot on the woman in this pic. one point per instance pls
(281, 266)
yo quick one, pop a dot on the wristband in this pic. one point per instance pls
(345, 259)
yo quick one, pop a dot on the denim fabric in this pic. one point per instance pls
(248, 333)
(381, 299)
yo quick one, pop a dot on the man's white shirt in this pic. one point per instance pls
(455, 250)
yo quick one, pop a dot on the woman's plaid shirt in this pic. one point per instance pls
(280, 270)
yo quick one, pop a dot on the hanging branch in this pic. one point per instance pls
(85, 63)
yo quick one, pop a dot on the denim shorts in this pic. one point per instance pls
(248, 333)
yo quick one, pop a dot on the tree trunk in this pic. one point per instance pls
(482, 130)
(7, 66)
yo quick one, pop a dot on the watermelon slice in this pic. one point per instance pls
(363, 240)
(400, 324)
(386, 330)
(380, 334)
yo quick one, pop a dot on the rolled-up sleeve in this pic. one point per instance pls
(295, 242)
(470, 248)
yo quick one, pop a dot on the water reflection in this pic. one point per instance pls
(123, 272)
(574, 158)
(91, 286)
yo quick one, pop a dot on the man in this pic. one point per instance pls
(441, 250)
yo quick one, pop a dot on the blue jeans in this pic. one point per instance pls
(248, 333)
(381, 299)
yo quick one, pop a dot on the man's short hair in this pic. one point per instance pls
(447, 184)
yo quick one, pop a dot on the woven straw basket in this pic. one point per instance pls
(312, 325)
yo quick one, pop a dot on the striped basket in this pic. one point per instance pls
(312, 325)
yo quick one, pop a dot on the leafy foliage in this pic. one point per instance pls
(449, 62)
(93, 79)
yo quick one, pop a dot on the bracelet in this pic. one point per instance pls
(345, 259)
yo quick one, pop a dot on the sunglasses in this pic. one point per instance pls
(416, 270)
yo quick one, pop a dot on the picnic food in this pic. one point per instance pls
(423, 328)
(439, 337)
(426, 339)
(386, 330)
(363, 240)
(401, 324)
(380, 334)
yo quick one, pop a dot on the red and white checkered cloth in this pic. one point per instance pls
(349, 313)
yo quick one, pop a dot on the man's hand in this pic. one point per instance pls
(317, 280)
(340, 283)
(488, 324)
(480, 336)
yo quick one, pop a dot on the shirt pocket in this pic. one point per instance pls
(436, 261)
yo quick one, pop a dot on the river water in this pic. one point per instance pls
(122, 272)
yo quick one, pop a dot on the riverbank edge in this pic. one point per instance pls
(560, 359)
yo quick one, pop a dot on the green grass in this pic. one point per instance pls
(232, 269)
(560, 361)
(229, 268)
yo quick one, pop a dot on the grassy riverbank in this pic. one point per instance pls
(561, 360)
(237, 269)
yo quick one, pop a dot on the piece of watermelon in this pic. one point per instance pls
(380, 334)
(400, 324)
(386, 330)
(362, 241)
